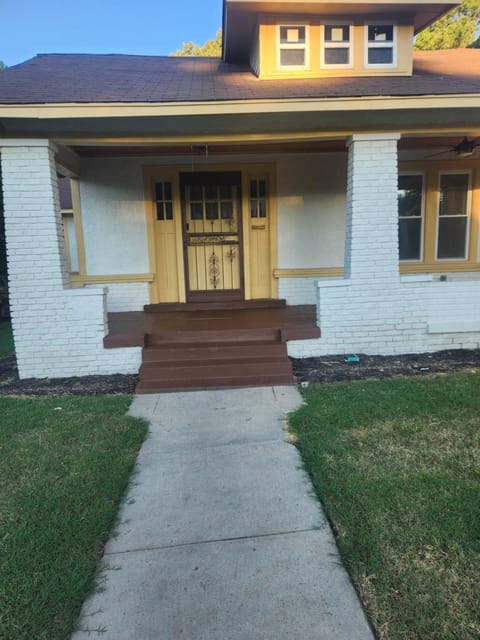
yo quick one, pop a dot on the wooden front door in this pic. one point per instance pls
(212, 235)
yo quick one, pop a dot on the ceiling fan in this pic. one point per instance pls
(463, 149)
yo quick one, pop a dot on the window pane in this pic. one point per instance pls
(410, 195)
(226, 191)
(196, 210)
(226, 210)
(452, 235)
(292, 57)
(253, 209)
(69, 223)
(409, 238)
(262, 188)
(168, 190)
(211, 211)
(211, 192)
(337, 33)
(453, 194)
(380, 55)
(338, 55)
(253, 188)
(168, 211)
(292, 35)
(65, 192)
(196, 193)
(263, 208)
(159, 191)
(380, 33)
(160, 211)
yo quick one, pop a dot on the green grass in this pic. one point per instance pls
(65, 464)
(6, 338)
(396, 464)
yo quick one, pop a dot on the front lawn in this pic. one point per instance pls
(65, 464)
(396, 464)
(6, 338)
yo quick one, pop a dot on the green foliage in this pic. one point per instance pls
(455, 30)
(2, 65)
(211, 48)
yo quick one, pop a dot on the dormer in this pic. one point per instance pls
(322, 38)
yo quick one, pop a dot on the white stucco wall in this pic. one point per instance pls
(113, 215)
(311, 210)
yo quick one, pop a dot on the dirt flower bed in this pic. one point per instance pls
(306, 371)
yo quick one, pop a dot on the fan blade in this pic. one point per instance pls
(441, 153)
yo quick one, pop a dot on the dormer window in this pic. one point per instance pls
(293, 46)
(337, 46)
(380, 45)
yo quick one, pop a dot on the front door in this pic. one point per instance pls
(212, 235)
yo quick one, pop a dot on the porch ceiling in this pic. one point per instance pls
(331, 145)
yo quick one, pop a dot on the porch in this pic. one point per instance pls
(187, 347)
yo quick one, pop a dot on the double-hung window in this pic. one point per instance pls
(380, 46)
(453, 215)
(337, 46)
(292, 46)
(410, 216)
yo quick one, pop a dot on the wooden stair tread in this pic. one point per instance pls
(263, 303)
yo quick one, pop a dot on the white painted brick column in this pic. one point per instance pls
(57, 331)
(371, 231)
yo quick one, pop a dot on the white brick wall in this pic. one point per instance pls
(57, 331)
(373, 310)
(125, 296)
(298, 290)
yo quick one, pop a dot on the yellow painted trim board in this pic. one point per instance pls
(236, 107)
(111, 279)
(320, 272)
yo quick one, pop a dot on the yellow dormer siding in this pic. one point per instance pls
(312, 47)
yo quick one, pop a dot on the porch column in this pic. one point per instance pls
(36, 258)
(371, 232)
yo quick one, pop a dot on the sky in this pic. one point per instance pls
(144, 27)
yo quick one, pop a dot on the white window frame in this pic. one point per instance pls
(337, 45)
(468, 215)
(381, 45)
(283, 47)
(422, 215)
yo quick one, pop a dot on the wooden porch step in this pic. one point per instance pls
(214, 352)
(202, 360)
(205, 372)
(264, 303)
(212, 336)
(155, 386)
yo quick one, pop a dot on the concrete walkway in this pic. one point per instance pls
(220, 537)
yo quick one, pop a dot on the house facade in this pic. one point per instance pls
(321, 161)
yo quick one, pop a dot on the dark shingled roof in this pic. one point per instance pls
(74, 78)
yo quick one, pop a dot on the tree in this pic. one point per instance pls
(456, 29)
(2, 66)
(211, 48)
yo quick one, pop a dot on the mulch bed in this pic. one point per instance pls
(306, 371)
(78, 386)
(337, 368)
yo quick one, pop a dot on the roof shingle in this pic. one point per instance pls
(87, 78)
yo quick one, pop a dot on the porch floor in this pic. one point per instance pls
(215, 348)
(131, 328)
